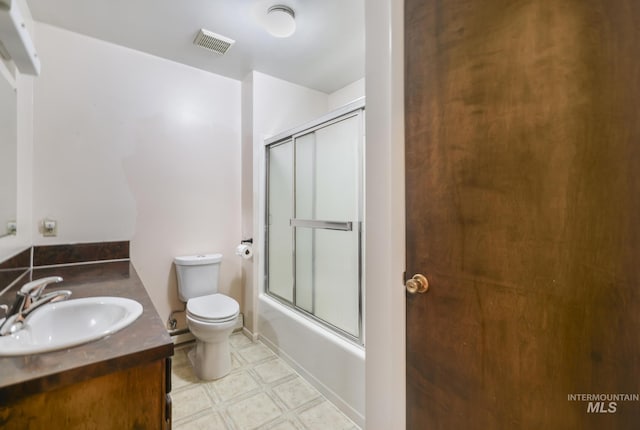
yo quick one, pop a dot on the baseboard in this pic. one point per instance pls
(184, 335)
(249, 334)
(179, 337)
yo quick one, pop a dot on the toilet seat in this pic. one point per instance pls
(213, 308)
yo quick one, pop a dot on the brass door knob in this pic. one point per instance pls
(417, 284)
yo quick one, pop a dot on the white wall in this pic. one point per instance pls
(347, 94)
(385, 247)
(280, 105)
(128, 146)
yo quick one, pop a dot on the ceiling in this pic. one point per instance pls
(325, 53)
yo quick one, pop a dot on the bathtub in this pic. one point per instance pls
(330, 363)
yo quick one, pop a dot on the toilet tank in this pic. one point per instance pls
(197, 275)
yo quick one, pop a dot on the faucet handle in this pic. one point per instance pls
(34, 288)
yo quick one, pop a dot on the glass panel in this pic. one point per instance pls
(336, 278)
(304, 268)
(327, 176)
(337, 165)
(305, 209)
(306, 176)
(280, 233)
(327, 172)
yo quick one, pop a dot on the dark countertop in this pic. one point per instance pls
(145, 340)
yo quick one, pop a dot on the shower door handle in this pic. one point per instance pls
(417, 284)
(325, 225)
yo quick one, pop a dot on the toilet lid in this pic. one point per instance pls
(214, 307)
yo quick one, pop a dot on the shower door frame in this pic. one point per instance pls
(351, 110)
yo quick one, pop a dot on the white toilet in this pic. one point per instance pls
(210, 316)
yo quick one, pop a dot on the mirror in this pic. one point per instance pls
(8, 157)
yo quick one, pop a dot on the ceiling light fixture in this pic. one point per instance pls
(280, 21)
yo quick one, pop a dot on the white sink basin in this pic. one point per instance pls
(69, 323)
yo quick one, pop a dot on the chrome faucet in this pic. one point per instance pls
(28, 299)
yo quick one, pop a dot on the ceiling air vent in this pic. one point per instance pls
(213, 42)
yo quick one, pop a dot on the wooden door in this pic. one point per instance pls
(523, 210)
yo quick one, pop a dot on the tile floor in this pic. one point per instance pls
(261, 392)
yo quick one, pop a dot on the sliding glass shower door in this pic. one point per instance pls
(314, 221)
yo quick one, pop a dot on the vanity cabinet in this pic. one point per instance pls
(120, 382)
(134, 398)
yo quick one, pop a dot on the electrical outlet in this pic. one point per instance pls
(49, 228)
(12, 227)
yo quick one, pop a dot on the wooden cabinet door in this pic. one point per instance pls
(133, 398)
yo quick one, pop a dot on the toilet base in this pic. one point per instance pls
(212, 357)
(210, 360)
